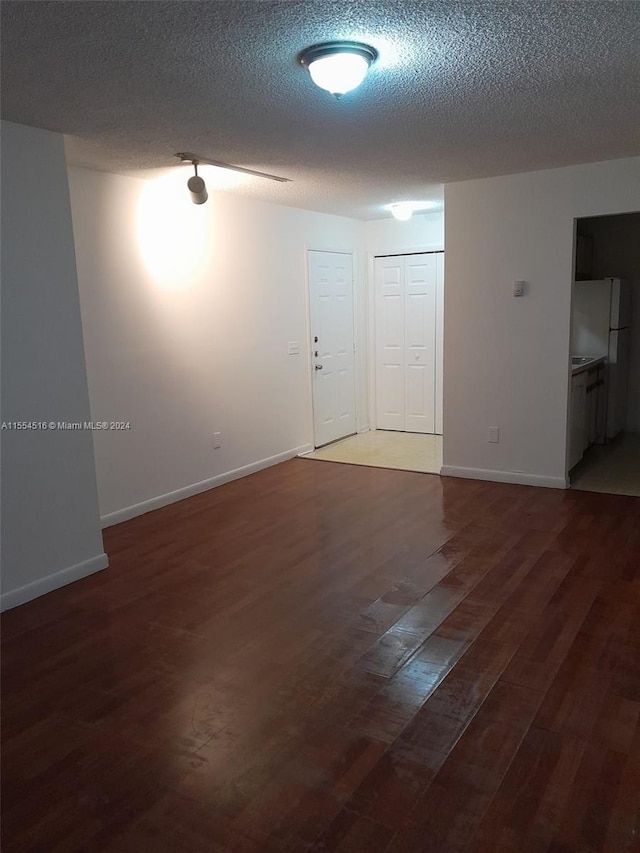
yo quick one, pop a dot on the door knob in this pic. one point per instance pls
(318, 367)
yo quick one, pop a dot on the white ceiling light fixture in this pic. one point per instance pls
(404, 210)
(338, 66)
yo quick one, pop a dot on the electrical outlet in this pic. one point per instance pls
(217, 440)
(493, 435)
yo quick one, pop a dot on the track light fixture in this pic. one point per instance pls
(197, 186)
(338, 66)
(192, 158)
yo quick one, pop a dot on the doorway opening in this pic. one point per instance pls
(604, 416)
(406, 352)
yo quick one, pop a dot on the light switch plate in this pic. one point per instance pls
(294, 348)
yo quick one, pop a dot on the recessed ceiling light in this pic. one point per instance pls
(338, 66)
(404, 210)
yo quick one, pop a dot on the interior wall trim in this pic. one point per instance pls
(518, 478)
(43, 585)
(141, 508)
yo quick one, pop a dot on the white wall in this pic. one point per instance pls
(198, 344)
(389, 235)
(506, 359)
(51, 531)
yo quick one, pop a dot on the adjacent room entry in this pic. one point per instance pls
(408, 349)
(332, 345)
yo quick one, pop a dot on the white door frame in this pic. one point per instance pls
(358, 350)
(371, 315)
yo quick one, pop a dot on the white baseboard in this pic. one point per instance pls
(204, 485)
(306, 448)
(40, 587)
(516, 477)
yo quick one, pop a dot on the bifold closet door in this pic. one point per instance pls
(405, 297)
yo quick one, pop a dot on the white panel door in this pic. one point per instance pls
(439, 340)
(407, 300)
(420, 342)
(332, 346)
(390, 356)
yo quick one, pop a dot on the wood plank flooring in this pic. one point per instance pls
(325, 657)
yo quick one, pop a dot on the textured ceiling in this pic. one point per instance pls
(461, 90)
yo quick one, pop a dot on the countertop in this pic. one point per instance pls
(588, 365)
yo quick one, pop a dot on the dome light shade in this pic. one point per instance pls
(338, 67)
(339, 73)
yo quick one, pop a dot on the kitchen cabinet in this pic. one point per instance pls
(603, 402)
(578, 418)
(588, 408)
(595, 406)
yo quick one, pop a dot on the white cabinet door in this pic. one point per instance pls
(578, 418)
(601, 406)
(591, 425)
(408, 293)
(332, 337)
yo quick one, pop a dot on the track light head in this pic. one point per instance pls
(198, 189)
(197, 186)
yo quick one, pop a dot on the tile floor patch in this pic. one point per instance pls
(611, 468)
(406, 451)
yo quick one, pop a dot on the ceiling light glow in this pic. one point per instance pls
(339, 73)
(404, 210)
(338, 67)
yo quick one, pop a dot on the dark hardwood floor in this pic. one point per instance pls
(329, 657)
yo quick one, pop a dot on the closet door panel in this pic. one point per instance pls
(420, 348)
(390, 332)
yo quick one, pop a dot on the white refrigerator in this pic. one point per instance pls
(618, 354)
